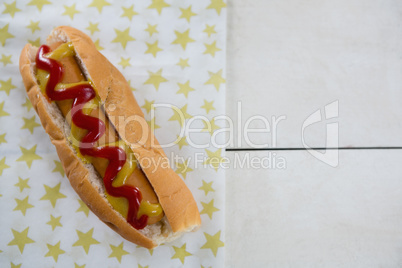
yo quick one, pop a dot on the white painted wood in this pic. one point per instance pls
(310, 214)
(291, 58)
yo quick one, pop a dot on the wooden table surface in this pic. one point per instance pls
(312, 75)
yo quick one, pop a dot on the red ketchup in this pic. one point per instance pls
(81, 94)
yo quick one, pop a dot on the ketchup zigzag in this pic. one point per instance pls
(81, 94)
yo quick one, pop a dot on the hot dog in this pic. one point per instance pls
(111, 157)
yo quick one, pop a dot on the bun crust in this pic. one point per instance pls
(117, 101)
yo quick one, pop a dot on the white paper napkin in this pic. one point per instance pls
(173, 53)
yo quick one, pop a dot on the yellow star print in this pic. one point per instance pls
(210, 126)
(70, 11)
(123, 37)
(153, 48)
(148, 105)
(58, 167)
(54, 222)
(3, 165)
(30, 124)
(158, 5)
(208, 106)
(180, 115)
(217, 5)
(183, 168)
(155, 79)
(6, 86)
(35, 43)
(183, 38)
(93, 27)
(181, 141)
(214, 158)
(207, 187)
(181, 253)
(152, 124)
(11, 9)
(4, 35)
(185, 88)
(125, 62)
(151, 29)
(27, 104)
(117, 252)
(208, 208)
(99, 4)
(151, 251)
(85, 240)
(2, 112)
(140, 266)
(22, 184)
(3, 138)
(83, 207)
(215, 79)
(129, 12)
(20, 239)
(79, 266)
(183, 63)
(34, 26)
(209, 30)
(211, 49)
(98, 47)
(39, 3)
(186, 13)
(22, 205)
(54, 251)
(213, 242)
(29, 155)
(129, 84)
(14, 265)
(5, 59)
(53, 194)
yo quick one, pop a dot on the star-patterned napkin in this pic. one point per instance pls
(173, 55)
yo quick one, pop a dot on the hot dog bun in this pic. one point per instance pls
(117, 101)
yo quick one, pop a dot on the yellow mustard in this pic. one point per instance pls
(120, 204)
(63, 51)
